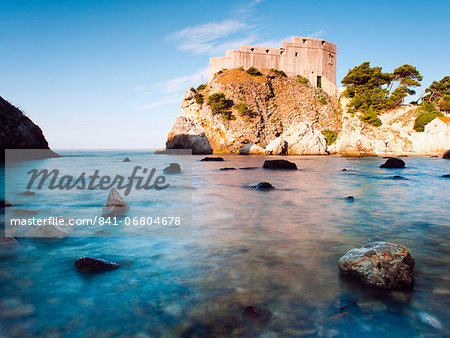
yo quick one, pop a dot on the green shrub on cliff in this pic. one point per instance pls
(278, 72)
(427, 114)
(201, 87)
(330, 135)
(243, 110)
(199, 98)
(302, 79)
(219, 105)
(321, 97)
(253, 71)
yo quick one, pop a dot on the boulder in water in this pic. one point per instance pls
(255, 314)
(27, 193)
(5, 203)
(278, 146)
(212, 159)
(279, 165)
(126, 160)
(228, 168)
(59, 227)
(393, 163)
(173, 168)
(446, 155)
(92, 265)
(380, 264)
(115, 202)
(186, 134)
(263, 186)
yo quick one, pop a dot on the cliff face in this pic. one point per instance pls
(261, 109)
(19, 132)
(274, 114)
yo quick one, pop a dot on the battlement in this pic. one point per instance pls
(312, 58)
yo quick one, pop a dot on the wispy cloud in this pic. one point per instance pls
(318, 34)
(208, 37)
(160, 103)
(181, 83)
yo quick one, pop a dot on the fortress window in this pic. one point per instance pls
(267, 51)
(252, 49)
(281, 52)
(330, 59)
(304, 40)
(323, 42)
(296, 53)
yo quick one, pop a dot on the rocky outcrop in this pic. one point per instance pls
(115, 202)
(270, 109)
(185, 134)
(279, 165)
(251, 149)
(19, 132)
(446, 155)
(380, 264)
(173, 168)
(393, 163)
(94, 265)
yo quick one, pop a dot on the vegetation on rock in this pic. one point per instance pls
(199, 98)
(219, 105)
(439, 93)
(371, 91)
(201, 87)
(243, 110)
(302, 79)
(330, 135)
(278, 72)
(253, 71)
(427, 114)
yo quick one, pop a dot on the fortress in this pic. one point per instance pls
(314, 59)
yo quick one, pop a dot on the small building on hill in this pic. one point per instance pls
(435, 138)
(314, 59)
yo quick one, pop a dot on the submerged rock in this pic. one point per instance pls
(87, 264)
(446, 176)
(397, 177)
(256, 314)
(350, 198)
(173, 168)
(5, 203)
(248, 168)
(343, 304)
(212, 159)
(126, 160)
(279, 164)
(393, 163)
(251, 149)
(430, 320)
(344, 169)
(115, 202)
(186, 134)
(380, 264)
(263, 186)
(27, 193)
(446, 155)
(24, 212)
(228, 168)
(60, 227)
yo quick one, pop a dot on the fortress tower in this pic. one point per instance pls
(314, 59)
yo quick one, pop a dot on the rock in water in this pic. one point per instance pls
(430, 320)
(350, 198)
(380, 264)
(5, 203)
(87, 264)
(173, 168)
(343, 304)
(228, 168)
(264, 186)
(19, 132)
(60, 227)
(185, 134)
(256, 314)
(446, 176)
(126, 160)
(446, 155)
(393, 163)
(279, 164)
(27, 193)
(115, 201)
(251, 149)
(212, 159)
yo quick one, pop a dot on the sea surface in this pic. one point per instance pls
(276, 251)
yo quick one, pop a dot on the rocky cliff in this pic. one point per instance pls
(19, 132)
(270, 113)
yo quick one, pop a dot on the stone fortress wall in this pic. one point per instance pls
(312, 58)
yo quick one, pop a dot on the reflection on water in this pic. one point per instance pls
(276, 251)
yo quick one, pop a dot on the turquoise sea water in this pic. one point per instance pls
(276, 251)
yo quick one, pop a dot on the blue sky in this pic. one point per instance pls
(110, 74)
